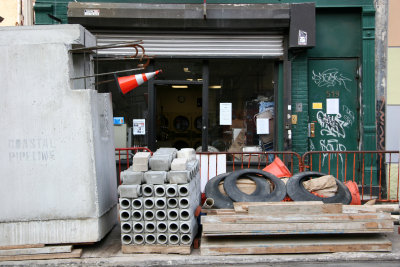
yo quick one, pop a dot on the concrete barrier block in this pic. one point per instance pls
(179, 164)
(187, 153)
(155, 177)
(160, 162)
(179, 177)
(129, 191)
(141, 158)
(140, 167)
(129, 177)
(166, 150)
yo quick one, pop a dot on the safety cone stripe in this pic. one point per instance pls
(144, 77)
(128, 83)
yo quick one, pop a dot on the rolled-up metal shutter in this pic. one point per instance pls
(197, 45)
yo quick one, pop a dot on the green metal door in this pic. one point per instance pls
(333, 116)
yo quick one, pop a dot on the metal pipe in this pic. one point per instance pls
(183, 190)
(124, 203)
(149, 227)
(160, 202)
(172, 190)
(150, 238)
(138, 227)
(126, 227)
(126, 239)
(138, 239)
(208, 204)
(149, 215)
(137, 215)
(173, 239)
(173, 227)
(172, 214)
(137, 203)
(172, 203)
(162, 227)
(159, 190)
(124, 215)
(148, 190)
(162, 239)
(161, 215)
(184, 202)
(148, 202)
(105, 73)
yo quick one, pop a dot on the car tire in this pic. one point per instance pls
(260, 194)
(297, 192)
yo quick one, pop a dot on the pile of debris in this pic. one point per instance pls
(157, 206)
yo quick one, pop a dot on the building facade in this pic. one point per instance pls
(239, 76)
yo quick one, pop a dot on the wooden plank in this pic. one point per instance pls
(379, 226)
(294, 218)
(284, 208)
(243, 206)
(30, 251)
(76, 253)
(302, 244)
(371, 208)
(160, 249)
(22, 246)
(218, 211)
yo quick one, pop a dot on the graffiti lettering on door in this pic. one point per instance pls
(329, 78)
(335, 124)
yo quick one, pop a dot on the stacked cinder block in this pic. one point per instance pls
(157, 205)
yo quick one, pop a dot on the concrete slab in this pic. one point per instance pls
(155, 177)
(179, 164)
(132, 177)
(160, 162)
(178, 177)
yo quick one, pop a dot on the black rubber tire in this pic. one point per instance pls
(297, 192)
(222, 201)
(259, 195)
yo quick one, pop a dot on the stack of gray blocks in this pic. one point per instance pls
(158, 198)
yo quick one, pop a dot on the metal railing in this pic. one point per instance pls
(375, 172)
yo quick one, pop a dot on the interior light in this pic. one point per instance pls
(186, 69)
(180, 86)
(190, 80)
(215, 87)
(199, 80)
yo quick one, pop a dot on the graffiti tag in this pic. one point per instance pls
(329, 78)
(332, 145)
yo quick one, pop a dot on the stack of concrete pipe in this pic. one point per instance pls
(158, 198)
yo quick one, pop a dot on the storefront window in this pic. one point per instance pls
(245, 89)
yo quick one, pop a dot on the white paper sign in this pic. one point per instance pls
(262, 126)
(139, 127)
(332, 106)
(225, 113)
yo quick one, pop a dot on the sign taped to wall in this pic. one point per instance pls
(139, 127)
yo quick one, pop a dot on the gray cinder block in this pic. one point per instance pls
(161, 215)
(173, 214)
(179, 164)
(148, 202)
(171, 190)
(155, 177)
(179, 177)
(148, 190)
(137, 203)
(172, 203)
(173, 239)
(162, 227)
(183, 190)
(187, 153)
(137, 215)
(126, 239)
(129, 191)
(149, 226)
(138, 239)
(149, 215)
(150, 238)
(162, 239)
(124, 215)
(160, 202)
(138, 227)
(141, 158)
(173, 226)
(129, 177)
(124, 203)
(159, 162)
(126, 227)
(159, 190)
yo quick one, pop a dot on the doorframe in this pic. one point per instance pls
(152, 125)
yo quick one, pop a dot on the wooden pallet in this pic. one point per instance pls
(158, 249)
(38, 252)
(292, 244)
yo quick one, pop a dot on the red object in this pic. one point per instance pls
(355, 194)
(128, 83)
(197, 211)
(278, 168)
(287, 199)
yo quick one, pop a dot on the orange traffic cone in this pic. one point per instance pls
(128, 83)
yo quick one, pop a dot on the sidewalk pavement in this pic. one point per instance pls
(108, 253)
